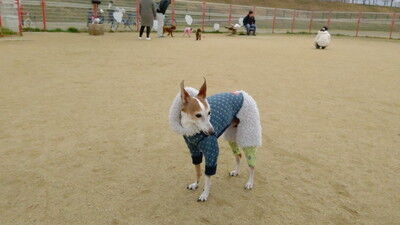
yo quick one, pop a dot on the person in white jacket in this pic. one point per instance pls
(162, 8)
(323, 38)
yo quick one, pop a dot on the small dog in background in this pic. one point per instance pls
(232, 29)
(187, 31)
(169, 30)
(198, 34)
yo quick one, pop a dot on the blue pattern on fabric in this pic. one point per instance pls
(224, 108)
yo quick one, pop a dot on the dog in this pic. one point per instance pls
(322, 39)
(233, 28)
(169, 30)
(198, 34)
(202, 120)
(187, 31)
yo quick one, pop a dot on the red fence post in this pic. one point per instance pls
(392, 25)
(44, 17)
(230, 14)
(358, 23)
(94, 11)
(203, 9)
(22, 12)
(311, 21)
(19, 12)
(329, 19)
(173, 12)
(274, 21)
(137, 15)
(1, 22)
(293, 21)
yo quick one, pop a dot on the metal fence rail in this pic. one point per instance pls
(387, 3)
(53, 14)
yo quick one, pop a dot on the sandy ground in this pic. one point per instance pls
(85, 139)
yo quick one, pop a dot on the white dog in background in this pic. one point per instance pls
(323, 38)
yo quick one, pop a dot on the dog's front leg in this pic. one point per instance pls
(206, 191)
(195, 185)
(235, 172)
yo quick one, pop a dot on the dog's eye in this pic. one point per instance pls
(198, 115)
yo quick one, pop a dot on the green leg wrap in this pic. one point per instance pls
(234, 147)
(250, 153)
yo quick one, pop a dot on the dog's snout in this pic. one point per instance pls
(209, 132)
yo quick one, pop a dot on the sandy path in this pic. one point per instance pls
(84, 136)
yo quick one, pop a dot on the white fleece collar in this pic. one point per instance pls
(175, 114)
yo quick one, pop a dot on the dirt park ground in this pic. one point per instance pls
(85, 139)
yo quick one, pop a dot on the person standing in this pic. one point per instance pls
(162, 7)
(147, 11)
(249, 23)
(110, 11)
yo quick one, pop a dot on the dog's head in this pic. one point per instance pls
(198, 30)
(173, 27)
(196, 110)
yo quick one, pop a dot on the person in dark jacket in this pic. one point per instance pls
(249, 23)
(162, 8)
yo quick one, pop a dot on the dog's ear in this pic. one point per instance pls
(203, 90)
(184, 94)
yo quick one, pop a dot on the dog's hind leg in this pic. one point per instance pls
(250, 182)
(250, 153)
(238, 156)
(230, 136)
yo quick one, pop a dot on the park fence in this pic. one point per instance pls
(62, 14)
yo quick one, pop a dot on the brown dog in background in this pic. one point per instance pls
(169, 30)
(198, 34)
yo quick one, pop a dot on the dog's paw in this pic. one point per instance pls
(203, 197)
(233, 173)
(193, 186)
(248, 186)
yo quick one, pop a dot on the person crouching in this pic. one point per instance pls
(249, 23)
(322, 39)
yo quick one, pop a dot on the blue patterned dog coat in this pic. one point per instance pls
(224, 108)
